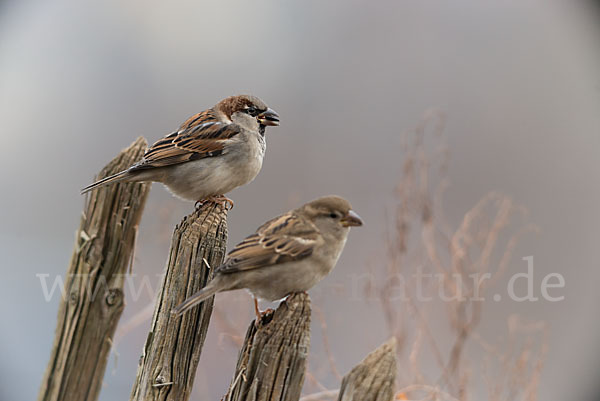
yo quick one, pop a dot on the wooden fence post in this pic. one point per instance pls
(374, 378)
(272, 361)
(174, 344)
(91, 308)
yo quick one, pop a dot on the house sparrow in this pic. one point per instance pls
(212, 153)
(290, 253)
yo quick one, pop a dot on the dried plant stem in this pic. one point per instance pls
(452, 267)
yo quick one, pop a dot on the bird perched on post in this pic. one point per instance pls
(290, 253)
(212, 153)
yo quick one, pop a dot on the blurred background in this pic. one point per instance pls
(516, 84)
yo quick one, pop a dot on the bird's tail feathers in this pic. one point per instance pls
(105, 181)
(200, 296)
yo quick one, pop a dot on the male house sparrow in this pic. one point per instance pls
(290, 253)
(212, 153)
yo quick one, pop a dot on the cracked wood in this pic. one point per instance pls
(272, 361)
(174, 344)
(91, 308)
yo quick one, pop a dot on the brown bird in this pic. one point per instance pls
(290, 253)
(212, 153)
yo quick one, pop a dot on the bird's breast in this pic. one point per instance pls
(248, 156)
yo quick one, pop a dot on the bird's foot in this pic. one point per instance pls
(220, 200)
(260, 314)
(257, 312)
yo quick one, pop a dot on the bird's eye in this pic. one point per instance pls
(333, 215)
(252, 111)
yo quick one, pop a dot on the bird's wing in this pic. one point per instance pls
(286, 238)
(201, 136)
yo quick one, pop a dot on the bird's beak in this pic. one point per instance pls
(268, 117)
(352, 219)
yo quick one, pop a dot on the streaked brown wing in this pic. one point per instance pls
(284, 239)
(201, 136)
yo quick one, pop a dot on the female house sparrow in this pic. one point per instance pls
(212, 153)
(290, 253)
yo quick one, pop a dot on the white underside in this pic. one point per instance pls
(200, 179)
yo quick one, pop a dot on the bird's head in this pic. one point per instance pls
(332, 215)
(248, 111)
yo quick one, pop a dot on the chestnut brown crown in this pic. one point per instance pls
(250, 105)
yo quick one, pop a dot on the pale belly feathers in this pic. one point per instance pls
(211, 176)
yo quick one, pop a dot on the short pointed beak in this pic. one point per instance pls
(268, 117)
(352, 219)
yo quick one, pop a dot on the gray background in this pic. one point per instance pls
(518, 81)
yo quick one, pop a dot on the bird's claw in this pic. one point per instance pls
(220, 200)
(260, 314)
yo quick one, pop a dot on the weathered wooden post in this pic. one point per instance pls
(272, 361)
(93, 302)
(374, 378)
(371, 380)
(174, 344)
